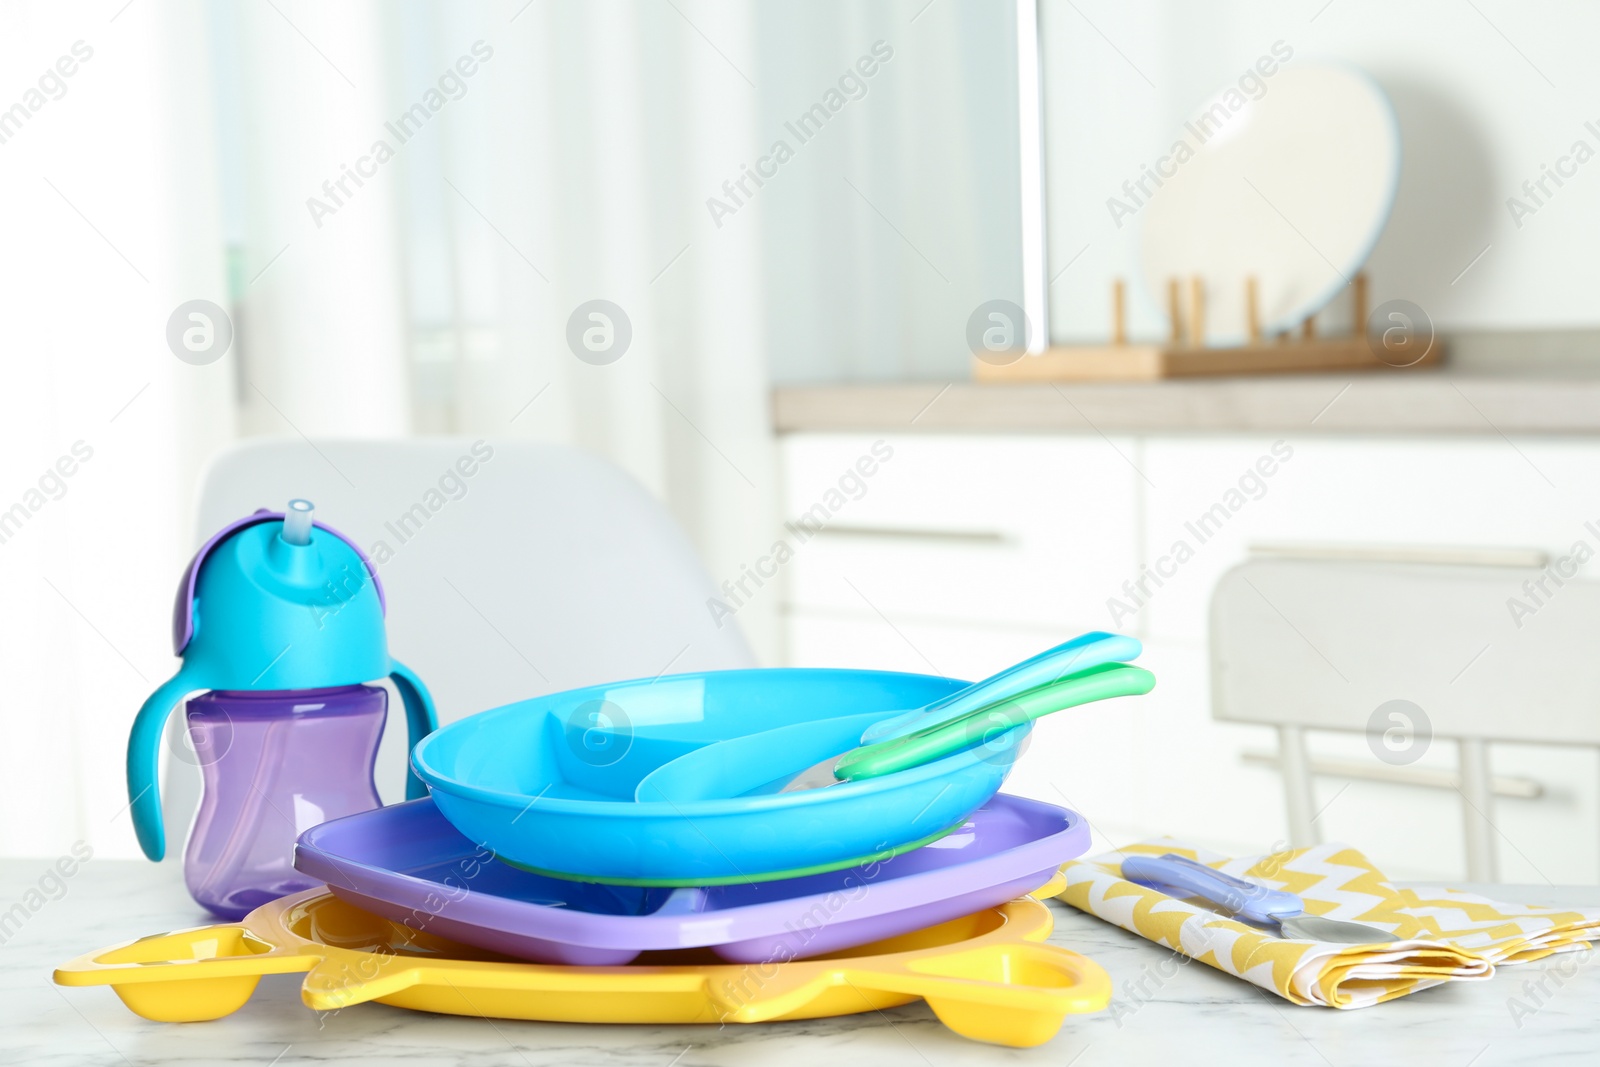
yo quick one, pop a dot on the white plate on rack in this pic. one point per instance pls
(1292, 187)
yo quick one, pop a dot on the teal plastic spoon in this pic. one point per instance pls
(1070, 657)
(1053, 664)
(977, 727)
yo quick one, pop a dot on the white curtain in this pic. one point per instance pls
(112, 221)
(547, 155)
(543, 156)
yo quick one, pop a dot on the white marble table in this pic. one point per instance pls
(1168, 1014)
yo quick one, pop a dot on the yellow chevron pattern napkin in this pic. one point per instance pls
(1448, 935)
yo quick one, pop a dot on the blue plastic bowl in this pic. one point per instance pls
(550, 784)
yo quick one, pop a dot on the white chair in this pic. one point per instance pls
(1324, 644)
(545, 568)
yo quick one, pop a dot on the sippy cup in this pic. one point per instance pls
(279, 621)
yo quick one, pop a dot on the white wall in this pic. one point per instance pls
(1485, 93)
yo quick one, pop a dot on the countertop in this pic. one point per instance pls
(1400, 402)
(1164, 1013)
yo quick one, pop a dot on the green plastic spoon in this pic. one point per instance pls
(976, 727)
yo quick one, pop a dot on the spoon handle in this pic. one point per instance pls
(1053, 664)
(1249, 901)
(992, 721)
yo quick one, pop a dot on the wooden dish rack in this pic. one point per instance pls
(1185, 354)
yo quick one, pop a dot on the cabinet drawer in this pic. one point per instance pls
(1007, 530)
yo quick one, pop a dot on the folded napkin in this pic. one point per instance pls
(1448, 935)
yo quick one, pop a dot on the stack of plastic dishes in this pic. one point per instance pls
(760, 816)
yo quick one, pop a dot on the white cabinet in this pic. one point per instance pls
(963, 553)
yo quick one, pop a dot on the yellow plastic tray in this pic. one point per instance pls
(985, 975)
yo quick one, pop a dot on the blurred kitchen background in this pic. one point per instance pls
(783, 329)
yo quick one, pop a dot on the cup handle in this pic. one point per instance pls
(421, 719)
(144, 751)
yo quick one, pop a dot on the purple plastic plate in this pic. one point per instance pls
(407, 863)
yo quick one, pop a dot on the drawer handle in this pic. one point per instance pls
(908, 533)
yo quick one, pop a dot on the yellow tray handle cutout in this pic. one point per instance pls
(187, 975)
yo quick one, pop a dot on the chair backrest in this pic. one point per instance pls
(1477, 654)
(511, 569)
(1322, 643)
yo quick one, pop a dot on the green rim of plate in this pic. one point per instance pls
(740, 879)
